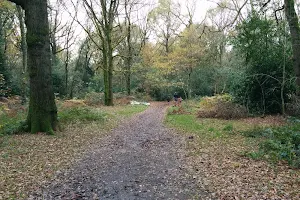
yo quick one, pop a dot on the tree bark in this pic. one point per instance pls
(110, 68)
(292, 19)
(42, 114)
(129, 56)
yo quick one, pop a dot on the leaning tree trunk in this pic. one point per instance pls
(42, 114)
(295, 35)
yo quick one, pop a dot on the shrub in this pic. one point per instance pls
(16, 126)
(94, 98)
(222, 107)
(12, 124)
(280, 143)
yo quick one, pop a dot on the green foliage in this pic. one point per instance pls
(202, 81)
(263, 45)
(228, 127)
(12, 124)
(81, 114)
(9, 52)
(281, 143)
(185, 122)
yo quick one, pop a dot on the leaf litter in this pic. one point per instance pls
(230, 175)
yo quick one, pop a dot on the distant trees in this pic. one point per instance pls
(262, 44)
(104, 26)
(154, 48)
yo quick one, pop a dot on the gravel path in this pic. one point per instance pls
(141, 159)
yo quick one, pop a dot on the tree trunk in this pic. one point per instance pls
(24, 51)
(189, 84)
(42, 115)
(129, 55)
(292, 19)
(128, 64)
(106, 74)
(128, 80)
(110, 70)
(3, 67)
(67, 71)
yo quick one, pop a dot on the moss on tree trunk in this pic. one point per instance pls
(42, 115)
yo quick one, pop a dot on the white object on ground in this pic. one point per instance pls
(139, 103)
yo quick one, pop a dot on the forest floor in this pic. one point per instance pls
(140, 159)
(152, 155)
(29, 160)
(220, 156)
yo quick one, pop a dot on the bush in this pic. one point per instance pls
(94, 98)
(12, 124)
(281, 143)
(15, 127)
(221, 107)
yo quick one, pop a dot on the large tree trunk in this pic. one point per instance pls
(42, 115)
(295, 35)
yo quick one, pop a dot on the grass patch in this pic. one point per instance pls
(185, 122)
(130, 110)
(206, 127)
(81, 114)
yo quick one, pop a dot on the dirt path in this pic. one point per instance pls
(141, 159)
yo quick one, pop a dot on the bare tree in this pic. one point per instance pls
(165, 23)
(62, 37)
(104, 23)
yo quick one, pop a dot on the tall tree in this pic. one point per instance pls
(42, 114)
(292, 19)
(128, 59)
(104, 25)
(24, 50)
